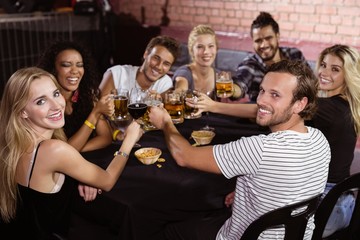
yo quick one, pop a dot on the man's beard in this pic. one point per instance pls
(279, 119)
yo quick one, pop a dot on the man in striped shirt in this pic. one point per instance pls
(286, 166)
(265, 35)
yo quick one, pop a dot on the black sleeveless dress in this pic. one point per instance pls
(44, 215)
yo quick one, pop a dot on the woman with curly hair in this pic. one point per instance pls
(75, 70)
(85, 126)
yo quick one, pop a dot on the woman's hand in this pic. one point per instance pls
(202, 102)
(87, 193)
(105, 105)
(134, 132)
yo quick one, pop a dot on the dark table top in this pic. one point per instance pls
(160, 194)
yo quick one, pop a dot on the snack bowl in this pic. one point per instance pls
(203, 137)
(148, 155)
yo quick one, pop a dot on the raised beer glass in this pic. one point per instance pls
(121, 97)
(174, 104)
(224, 84)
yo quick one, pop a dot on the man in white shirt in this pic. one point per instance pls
(160, 53)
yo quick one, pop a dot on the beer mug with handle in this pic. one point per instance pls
(224, 84)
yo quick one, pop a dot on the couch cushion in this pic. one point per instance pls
(228, 60)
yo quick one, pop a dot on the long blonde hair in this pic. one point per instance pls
(16, 136)
(351, 61)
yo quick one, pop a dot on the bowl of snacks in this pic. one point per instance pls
(202, 137)
(148, 155)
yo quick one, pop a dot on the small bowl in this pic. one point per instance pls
(148, 155)
(202, 137)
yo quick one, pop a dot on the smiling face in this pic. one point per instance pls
(331, 75)
(275, 107)
(157, 62)
(204, 50)
(45, 109)
(265, 42)
(69, 69)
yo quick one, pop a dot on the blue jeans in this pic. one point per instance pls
(341, 215)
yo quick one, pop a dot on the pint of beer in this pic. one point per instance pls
(153, 99)
(174, 104)
(121, 97)
(189, 112)
(224, 85)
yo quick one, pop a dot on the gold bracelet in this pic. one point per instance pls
(115, 133)
(125, 155)
(89, 124)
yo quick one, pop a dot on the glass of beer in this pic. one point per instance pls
(121, 98)
(224, 84)
(189, 112)
(152, 99)
(174, 104)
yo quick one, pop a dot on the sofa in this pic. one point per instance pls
(226, 59)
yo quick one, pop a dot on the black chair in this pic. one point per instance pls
(326, 206)
(294, 222)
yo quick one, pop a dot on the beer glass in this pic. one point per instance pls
(174, 104)
(121, 97)
(224, 84)
(152, 99)
(189, 112)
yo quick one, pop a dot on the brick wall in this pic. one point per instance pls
(323, 21)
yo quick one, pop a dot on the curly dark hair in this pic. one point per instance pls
(88, 89)
(263, 20)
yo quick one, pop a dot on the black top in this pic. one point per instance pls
(40, 215)
(76, 119)
(334, 119)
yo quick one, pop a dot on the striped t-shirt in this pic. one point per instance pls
(272, 171)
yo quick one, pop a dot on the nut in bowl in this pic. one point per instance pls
(148, 155)
(202, 137)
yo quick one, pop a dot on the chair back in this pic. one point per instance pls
(326, 206)
(288, 217)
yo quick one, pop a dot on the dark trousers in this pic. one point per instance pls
(198, 228)
(102, 218)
